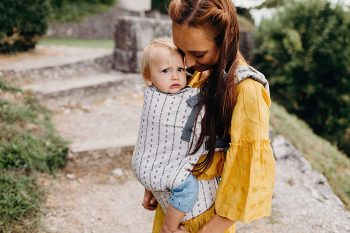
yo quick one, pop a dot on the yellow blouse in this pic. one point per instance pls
(248, 168)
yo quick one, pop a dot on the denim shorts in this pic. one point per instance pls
(185, 195)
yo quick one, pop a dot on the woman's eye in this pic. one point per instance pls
(198, 55)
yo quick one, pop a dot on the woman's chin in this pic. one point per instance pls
(201, 68)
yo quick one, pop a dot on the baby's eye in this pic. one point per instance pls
(180, 69)
(165, 71)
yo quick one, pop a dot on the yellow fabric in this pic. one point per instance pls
(192, 225)
(247, 170)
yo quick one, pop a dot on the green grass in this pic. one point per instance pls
(72, 11)
(322, 155)
(19, 202)
(28, 144)
(79, 43)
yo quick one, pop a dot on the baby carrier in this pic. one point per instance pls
(162, 158)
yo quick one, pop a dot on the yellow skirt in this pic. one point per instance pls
(193, 225)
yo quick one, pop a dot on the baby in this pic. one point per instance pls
(156, 164)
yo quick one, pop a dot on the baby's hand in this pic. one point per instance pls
(149, 202)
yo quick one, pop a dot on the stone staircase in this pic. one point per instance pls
(78, 85)
(97, 110)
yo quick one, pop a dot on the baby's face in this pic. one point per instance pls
(167, 70)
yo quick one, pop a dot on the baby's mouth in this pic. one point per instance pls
(175, 85)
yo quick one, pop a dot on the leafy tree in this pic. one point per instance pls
(160, 5)
(22, 23)
(305, 52)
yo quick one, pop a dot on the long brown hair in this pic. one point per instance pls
(218, 91)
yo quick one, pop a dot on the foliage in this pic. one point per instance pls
(28, 143)
(69, 11)
(19, 199)
(161, 5)
(28, 139)
(305, 52)
(21, 24)
(245, 12)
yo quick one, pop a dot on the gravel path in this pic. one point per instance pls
(105, 197)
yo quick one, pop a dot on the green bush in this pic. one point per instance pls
(161, 5)
(21, 24)
(305, 52)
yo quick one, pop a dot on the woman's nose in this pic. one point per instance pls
(189, 62)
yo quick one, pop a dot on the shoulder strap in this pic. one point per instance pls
(244, 72)
(193, 102)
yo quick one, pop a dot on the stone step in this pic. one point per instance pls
(102, 128)
(97, 153)
(53, 62)
(83, 88)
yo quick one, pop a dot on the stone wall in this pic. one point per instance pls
(99, 26)
(132, 34)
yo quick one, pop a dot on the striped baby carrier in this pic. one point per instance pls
(162, 158)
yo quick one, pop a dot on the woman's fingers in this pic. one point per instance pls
(182, 229)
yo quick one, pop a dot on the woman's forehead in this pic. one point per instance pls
(191, 39)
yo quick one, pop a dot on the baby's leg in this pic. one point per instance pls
(181, 201)
(172, 219)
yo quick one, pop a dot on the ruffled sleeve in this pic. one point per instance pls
(245, 191)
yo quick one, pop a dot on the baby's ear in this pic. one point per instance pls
(149, 82)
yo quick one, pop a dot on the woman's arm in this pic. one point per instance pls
(246, 186)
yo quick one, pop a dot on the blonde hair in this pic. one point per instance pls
(146, 54)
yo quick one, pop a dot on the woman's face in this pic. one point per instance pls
(199, 49)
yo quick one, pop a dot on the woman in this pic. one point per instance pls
(207, 33)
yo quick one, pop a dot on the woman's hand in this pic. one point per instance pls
(181, 229)
(149, 202)
(217, 224)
